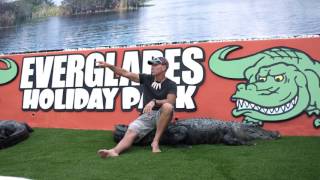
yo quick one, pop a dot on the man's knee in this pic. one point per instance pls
(131, 133)
(167, 108)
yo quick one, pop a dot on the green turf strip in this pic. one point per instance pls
(71, 154)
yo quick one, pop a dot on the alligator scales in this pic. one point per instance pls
(205, 131)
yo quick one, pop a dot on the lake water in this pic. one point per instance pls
(167, 21)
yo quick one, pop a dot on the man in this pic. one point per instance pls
(159, 96)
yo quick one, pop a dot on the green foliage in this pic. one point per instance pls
(45, 10)
(7, 14)
(72, 7)
(71, 154)
(21, 10)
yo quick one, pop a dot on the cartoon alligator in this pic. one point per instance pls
(281, 83)
(8, 74)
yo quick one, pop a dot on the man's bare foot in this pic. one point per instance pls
(155, 147)
(104, 153)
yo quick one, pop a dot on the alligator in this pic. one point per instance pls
(204, 131)
(9, 73)
(281, 83)
(13, 132)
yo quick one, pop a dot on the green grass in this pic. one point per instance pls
(71, 154)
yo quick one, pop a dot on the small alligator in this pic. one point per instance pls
(13, 132)
(204, 131)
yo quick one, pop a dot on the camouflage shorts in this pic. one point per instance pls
(145, 123)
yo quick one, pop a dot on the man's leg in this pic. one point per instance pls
(123, 145)
(166, 112)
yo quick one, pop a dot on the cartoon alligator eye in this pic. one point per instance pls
(262, 78)
(278, 78)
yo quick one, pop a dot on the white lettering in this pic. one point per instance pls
(30, 99)
(95, 101)
(184, 97)
(58, 71)
(110, 95)
(130, 63)
(26, 73)
(109, 79)
(189, 57)
(74, 79)
(75, 71)
(81, 98)
(170, 56)
(70, 98)
(58, 98)
(46, 99)
(130, 97)
(94, 76)
(43, 71)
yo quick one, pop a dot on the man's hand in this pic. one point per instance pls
(103, 64)
(148, 107)
(119, 71)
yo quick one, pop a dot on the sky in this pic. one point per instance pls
(57, 2)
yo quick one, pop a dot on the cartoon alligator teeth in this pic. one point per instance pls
(243, 104)
(8, 74)
(281, 83)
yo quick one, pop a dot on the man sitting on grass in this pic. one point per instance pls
(159, 96)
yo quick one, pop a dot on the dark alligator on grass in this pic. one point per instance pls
(13, 132)
(205, 131)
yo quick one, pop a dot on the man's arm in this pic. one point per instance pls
(171, 98)
(119, 71)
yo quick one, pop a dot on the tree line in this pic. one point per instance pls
(19, 10)
(14, 11)
(72, 7)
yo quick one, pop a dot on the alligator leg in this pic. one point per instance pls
(316, 123)
(312, 110)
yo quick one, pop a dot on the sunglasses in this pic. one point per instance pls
(159, 61)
